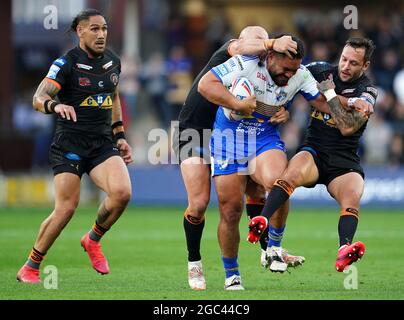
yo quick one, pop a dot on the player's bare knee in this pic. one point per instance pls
(66, 206)
(121, 195)
(230, 217)
(293, 176)
(350, 198)
(231, 212)
(197, 208)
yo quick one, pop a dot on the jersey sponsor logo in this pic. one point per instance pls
(60, 62)
(258, 91)
(347, 91)
(223, 70)
(102, 101)
(261, 76)
(114, 79)
(324, 117)
(269, 87)
(84, 82)
(107, 65)
(53, 72)
(83, 66)
(239, 63)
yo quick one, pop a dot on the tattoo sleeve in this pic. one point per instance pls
(46, 90)
(347, 121)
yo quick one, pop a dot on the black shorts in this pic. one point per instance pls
(330, 166)
(193, 143)
(78, 154)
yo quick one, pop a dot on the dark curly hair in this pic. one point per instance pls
(83, 15)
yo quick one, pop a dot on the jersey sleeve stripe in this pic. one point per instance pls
(248, 58)
(308, 96)
(57, 84)
(217, 76)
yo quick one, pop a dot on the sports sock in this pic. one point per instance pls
(281, 191)
(193, 228)
(254, 208)
(275, 236)
(35, 258)
(230, 266)
(347, 224)
(97, 232)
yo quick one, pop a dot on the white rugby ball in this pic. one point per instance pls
(241, 88)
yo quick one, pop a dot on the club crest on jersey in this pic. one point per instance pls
(83, 66)
(107, 65)
(281, 95)
(114, 79)
(84, 82)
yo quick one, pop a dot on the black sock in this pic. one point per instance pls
(347, 224)
(279, 194)
(254, 210)
(193, 235)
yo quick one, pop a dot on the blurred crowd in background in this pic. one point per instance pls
(155, 81)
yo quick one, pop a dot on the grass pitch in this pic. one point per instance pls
(147, 256)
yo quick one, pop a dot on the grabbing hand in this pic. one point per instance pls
(364, 107)
(281, 116)
(285, 45)
(325, 85)
(246, 106)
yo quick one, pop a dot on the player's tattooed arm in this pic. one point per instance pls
(348, 122)
(46, 90)
(43, 100)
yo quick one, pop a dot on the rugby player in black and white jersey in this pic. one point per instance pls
(89, 138)
(192, 148)
(329, 154)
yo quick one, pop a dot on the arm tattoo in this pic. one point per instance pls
(46, 90)
(345, 119)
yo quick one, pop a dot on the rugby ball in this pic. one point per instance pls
(241, 88)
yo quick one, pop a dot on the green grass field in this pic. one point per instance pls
(147, 255)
